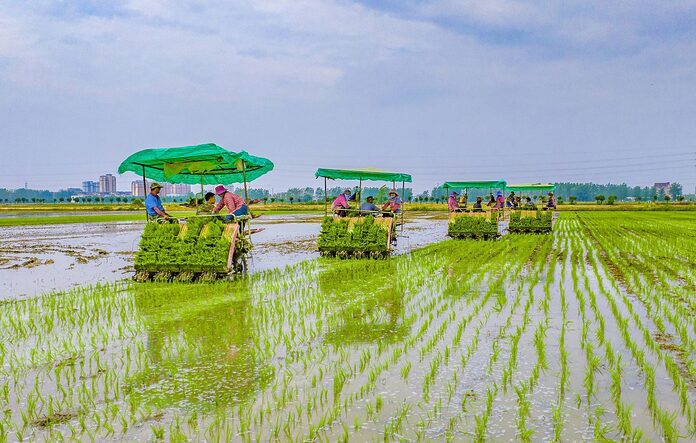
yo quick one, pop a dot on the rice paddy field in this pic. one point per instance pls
(585, 334)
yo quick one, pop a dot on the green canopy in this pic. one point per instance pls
(208, 164)
(476, 184)
(532, 187)
(363, 174)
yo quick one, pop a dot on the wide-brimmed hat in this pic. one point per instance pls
(155, 185)
(499, 194)
(369, 197)
(454, 193)
(219, 189)
(347, 190)
(393, 191)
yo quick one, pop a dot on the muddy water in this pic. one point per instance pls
(39, 259)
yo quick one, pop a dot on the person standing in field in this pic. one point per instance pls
(340, 204)
(153, 205)
(393, 205)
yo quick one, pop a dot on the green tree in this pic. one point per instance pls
(675, 190)
(611, 199)
(667, 198)
(291, 198)
(639, 198)
(680, 198)
(599, 199)
(572, 199)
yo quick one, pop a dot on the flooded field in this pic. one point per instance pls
(587, 334)
(38, 259)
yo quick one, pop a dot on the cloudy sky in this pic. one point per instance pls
(588, 90)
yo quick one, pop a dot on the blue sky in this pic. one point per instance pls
(526, 91)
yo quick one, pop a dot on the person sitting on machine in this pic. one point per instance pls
(452, 203)
(551, 204)
(208, 204)
(369, 207)
(529, 203)
(153, 205)
(478, 206)
(498, 203)
(510, 201)
(393, 205)
(236, 207)
(340, 204)
(491, 201)
(463, 200)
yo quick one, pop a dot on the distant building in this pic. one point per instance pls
(107, 184)
(664, 187)
(175, 189)
(137, 188)
(90, 187)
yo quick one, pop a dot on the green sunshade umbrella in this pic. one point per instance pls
(362, 174)
(207, 164)
(532, 187)
(475, 184)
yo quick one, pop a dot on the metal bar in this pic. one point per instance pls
(359, 196)
(326, 199)
(403, 205)
(145, 193)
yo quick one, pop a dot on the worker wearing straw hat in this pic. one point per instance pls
(153, 205)
(393, 205)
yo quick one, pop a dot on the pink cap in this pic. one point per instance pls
(219, 189)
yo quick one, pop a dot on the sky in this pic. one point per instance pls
(534, 91)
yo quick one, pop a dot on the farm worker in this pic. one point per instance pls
(491, 201)
(368, 206)
(340, 204)
(463, 200)
(393, 205)
(153, 204)
(510, 201)
(208, 204)
(529, 203)
(552, 201)
(236, 207)
(452, 204)
(499, 200)
(478, 206)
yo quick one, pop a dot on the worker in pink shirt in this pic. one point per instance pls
(340, 204)
(236, 207)
(452, 203)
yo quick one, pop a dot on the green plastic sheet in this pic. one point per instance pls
(209, 164)
(476, 184)
(532, 187)
(362, 174)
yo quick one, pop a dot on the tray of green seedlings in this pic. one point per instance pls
(540, 223)
(197, 246)
(474, 226)
(365, 237)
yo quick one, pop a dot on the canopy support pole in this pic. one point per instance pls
(403, 206)
(202, 195)
(145, 193)
(359, 196)
(326, 199)
(246, 199)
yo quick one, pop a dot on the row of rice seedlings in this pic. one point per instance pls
(661, 416)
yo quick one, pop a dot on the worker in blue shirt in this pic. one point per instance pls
(153, 205)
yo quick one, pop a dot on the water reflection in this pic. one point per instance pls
(200, 352)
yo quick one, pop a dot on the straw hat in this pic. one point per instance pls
(219, 189)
